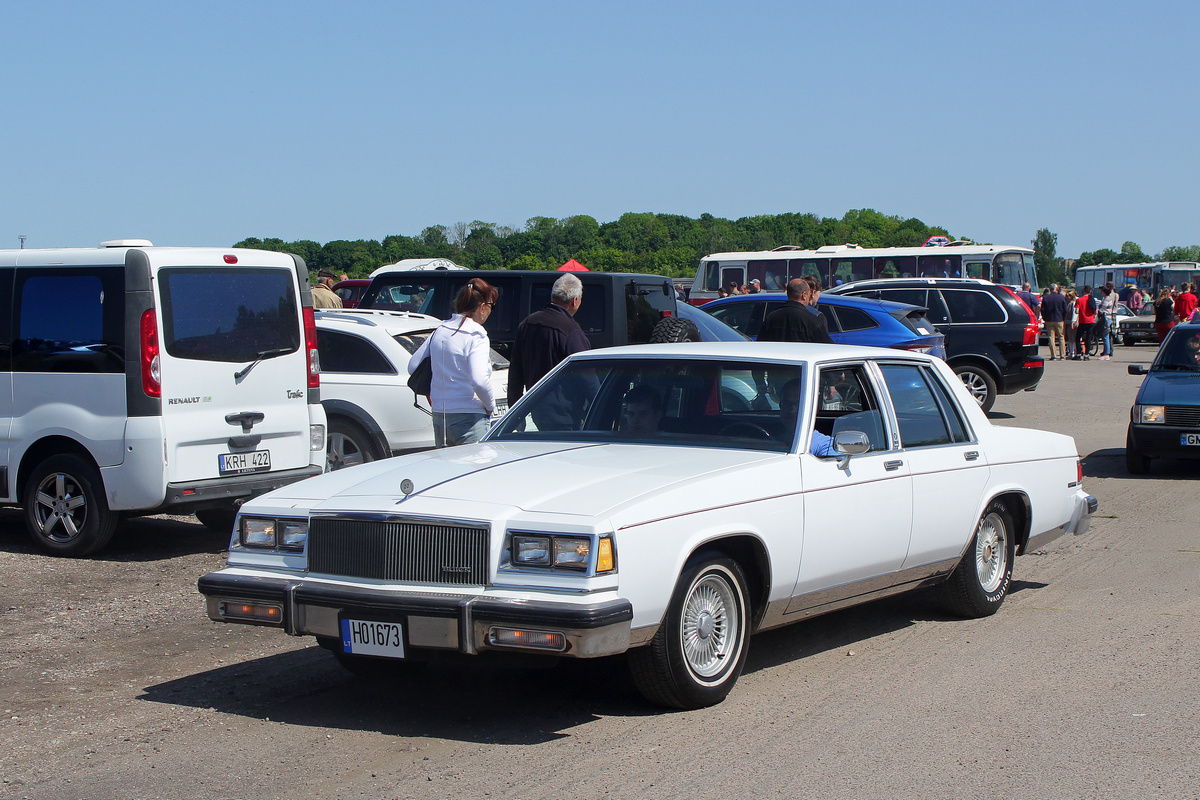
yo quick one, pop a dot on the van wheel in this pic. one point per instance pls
(218, 519)
(348, 445)
(66, 511)
(979, 383)
(674, 329)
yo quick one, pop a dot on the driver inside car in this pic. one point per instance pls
(789, 413)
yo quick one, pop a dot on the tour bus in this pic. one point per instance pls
(1150, 276)
(838, 264)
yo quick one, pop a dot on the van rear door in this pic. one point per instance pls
(234, 370)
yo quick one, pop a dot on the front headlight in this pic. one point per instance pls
(564, 552)
(268, 533)
(1151, 414)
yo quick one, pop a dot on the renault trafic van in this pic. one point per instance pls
(137, 379)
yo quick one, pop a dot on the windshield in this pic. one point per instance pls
(684, 402)
(231, 315)
(1180, 352)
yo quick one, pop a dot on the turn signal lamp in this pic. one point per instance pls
(605, 562)
(537, 640)
(254, 612)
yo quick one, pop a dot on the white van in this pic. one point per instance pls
(137, 379)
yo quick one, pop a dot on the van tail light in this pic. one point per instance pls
(151, 363)
(310, 345)
(1030, 336)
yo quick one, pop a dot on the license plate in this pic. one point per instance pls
(1189, 439)
(370, 638)
(237, 463)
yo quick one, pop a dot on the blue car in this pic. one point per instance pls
(852, 320)
(1165, 418)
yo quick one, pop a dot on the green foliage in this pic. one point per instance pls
(1180, 253)
(1045, 258)
(665, 244)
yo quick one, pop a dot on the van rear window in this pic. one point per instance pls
(232, 315)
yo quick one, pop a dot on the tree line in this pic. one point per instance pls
(661, 244)
(664, 244)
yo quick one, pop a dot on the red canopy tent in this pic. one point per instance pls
(572, 266)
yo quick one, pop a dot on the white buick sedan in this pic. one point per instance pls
(664, 501)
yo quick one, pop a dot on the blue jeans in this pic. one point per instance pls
(463, 428)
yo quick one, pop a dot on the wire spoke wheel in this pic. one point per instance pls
(708, 631)
(991, 552)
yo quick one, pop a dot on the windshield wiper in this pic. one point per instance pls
(265, 354)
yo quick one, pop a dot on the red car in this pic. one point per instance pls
(351, 291)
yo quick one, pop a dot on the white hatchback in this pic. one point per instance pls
(364, 380)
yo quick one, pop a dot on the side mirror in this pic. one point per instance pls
(1137, 369)
(850, 443)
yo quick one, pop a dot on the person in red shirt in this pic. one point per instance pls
(1185, 303)
(1087, 318)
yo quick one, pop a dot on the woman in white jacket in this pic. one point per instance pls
(460, 356)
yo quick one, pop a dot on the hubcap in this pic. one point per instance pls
(991, 552)
(710, 627)
(60, 508)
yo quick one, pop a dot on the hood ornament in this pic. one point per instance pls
(406, 486)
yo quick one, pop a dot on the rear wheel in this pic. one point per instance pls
(979, 383)
(674, 329)
(980, 582)
(66, 511)
(696, 656)
(1137, 462)
(348, 445)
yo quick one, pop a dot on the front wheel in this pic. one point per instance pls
(980, 582)
(66, 511)
(979, 383)
(696, 656)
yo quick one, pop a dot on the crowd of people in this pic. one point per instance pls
(1074, 320)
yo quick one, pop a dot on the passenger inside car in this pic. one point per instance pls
(641, 412)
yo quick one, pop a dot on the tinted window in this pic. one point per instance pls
(644, 307)
(735, 315)
(344, 352)
(969, 306)
(230, 315)
(592, 313)
(70, 320)
(895, 266)
(940, 266)
(854, 319)
(917, 410)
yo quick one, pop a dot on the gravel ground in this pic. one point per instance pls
(114, 684)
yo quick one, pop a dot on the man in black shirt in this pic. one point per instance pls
(545, 338)
(794, 322)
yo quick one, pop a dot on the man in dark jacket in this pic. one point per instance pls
(545, 338)
(1055, 310)
(794, 322)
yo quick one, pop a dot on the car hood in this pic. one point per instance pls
(1171, 389)
(554, 478)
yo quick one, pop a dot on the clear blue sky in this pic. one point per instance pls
(205, 123)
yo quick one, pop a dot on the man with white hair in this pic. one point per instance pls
(545, 338)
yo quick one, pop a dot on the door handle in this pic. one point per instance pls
(971, 455)
(891, 466)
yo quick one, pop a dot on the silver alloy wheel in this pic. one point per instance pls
(344, 451)
(991, 552)
(61, 507)
(975, 385)
(710, 626)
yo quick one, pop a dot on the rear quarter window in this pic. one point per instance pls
(968, 306)
(70, 320)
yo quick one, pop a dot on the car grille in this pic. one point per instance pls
(1182, 416)
(399, 550)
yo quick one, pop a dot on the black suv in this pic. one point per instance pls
(991, 335)
(618, 307)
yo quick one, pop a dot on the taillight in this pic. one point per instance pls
(151, 364)
(1079, 470)
(310, 344)
(1030, 337)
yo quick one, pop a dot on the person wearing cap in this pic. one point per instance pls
(755, 286)
(322, 291)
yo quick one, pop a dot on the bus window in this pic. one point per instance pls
(1007, 268)
(733, 275)
(844, 270)
(712, 275)
(940, 266)
(817, 267)
(771, 274)
(895, 266)
(1031, 272)
(979, 269)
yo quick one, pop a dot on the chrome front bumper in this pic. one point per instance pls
(446, 622)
